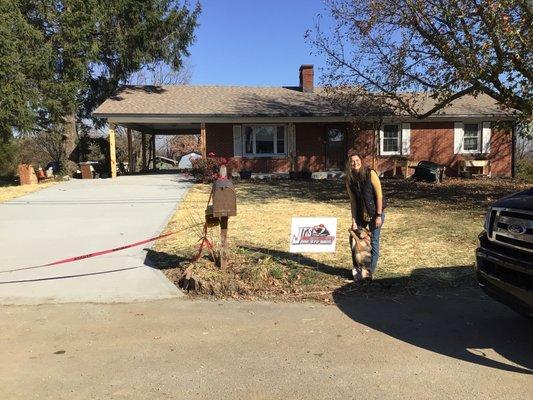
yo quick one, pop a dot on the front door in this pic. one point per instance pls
(335, 149)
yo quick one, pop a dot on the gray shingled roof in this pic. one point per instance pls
(223, 101)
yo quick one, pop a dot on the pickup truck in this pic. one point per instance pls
(504, 258)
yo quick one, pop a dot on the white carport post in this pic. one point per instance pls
(112, 150)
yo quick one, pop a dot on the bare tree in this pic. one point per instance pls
(160, 73)
(40, 147)
(524, 148)
(390, 50)
(184, 144)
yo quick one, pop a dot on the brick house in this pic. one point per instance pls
(278, 129)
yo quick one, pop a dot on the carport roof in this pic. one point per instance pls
(187, 101)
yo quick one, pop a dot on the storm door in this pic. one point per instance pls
(335, 149)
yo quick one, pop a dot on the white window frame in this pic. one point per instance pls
(479, 137)
(484, 129)
(258, 155)
(382, 140)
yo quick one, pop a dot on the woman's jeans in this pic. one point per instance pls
(374, 240)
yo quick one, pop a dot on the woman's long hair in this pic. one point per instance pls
(353, 176)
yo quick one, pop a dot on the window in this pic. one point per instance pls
(390, 141)
(471, 138)
(264, 140)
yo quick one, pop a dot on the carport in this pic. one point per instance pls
(148, 130)
(151, 111)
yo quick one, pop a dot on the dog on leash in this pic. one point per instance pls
(361, 253)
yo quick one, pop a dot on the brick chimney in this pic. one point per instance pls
(306, 78)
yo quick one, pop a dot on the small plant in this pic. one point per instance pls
(245, 174)
(524, 170)
(205, 169)
(293, 174)
(292, 157)
(276, 272)
(306, 174)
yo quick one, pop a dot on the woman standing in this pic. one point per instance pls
(367, 204)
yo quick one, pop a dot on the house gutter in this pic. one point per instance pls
(214, 118)
(149, 119)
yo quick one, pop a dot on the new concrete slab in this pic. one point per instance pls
(79, 217)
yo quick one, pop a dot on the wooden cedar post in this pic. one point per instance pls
(224, 242)
(112, 151)
(203, 144)
(223, 228)
(143, 151)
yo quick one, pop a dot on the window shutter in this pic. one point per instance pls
(291, 139)
(237, 141)
(458, 133)
(485, 135)
(406, 139)
(380, 140)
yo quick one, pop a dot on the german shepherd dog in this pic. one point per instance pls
(361, 253)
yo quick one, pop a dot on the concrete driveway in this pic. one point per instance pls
(79, 217)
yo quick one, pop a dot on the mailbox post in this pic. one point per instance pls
(224, 206)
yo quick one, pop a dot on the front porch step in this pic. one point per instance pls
(327, 175)
(285, 175)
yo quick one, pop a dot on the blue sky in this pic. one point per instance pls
(253, 42)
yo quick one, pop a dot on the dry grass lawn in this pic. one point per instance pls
(9, 192)
(429, 237)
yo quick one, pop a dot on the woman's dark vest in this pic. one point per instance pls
(365, 195)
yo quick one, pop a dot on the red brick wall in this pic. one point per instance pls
(362, 143)
(501, 150)
(432, 141)
(219, 139)
(310, 149)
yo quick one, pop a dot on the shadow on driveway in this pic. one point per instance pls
(459, 322)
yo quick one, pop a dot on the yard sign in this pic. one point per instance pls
(313, 235)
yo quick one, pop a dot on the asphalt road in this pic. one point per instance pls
(79, 217)
(455, 344)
